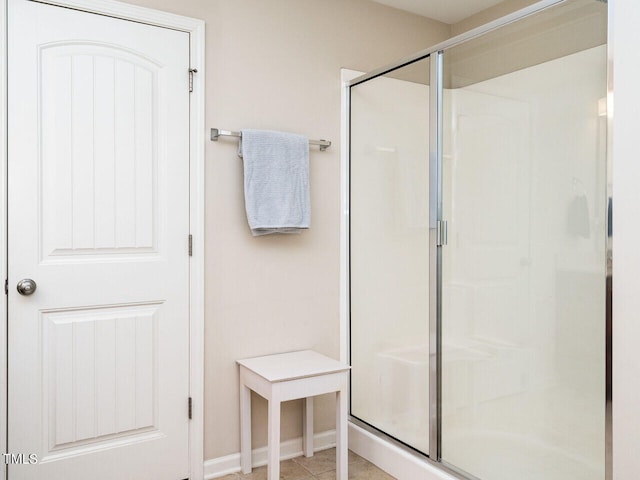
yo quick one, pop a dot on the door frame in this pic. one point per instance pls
(196, 30)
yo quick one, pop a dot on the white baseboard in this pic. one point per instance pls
(221, 466)
(391, 458)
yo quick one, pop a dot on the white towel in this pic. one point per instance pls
(276, 181)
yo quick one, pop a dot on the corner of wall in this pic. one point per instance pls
(485, 16)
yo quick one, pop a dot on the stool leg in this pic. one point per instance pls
(245, 428)
(341, 435)
(307, 426)
(273, 441)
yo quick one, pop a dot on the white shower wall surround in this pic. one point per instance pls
(534, 376)
(523, 185)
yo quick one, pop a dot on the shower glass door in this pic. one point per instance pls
(389, 254)
(523, 273)
(482, 343)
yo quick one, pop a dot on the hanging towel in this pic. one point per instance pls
(276, 181)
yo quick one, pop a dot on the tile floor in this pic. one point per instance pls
(322, 466)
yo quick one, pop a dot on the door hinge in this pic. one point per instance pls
(6, 286)
(191, 72)
(190, 245)
(441, 233)
(190, 408)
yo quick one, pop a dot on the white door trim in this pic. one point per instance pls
(3, 233)
(196, 30)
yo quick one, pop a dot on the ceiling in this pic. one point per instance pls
(447, 11)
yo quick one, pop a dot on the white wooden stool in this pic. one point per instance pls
(289, 376)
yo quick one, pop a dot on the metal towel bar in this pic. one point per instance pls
(217, 132)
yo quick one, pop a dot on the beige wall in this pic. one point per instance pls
(276, 65)
(488, 15)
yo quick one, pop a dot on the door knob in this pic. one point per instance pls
(26, 286)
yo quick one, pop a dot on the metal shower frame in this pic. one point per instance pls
(435, 55)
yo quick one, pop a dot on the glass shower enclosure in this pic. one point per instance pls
(479, 248)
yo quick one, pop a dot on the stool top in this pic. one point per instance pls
(290, 366)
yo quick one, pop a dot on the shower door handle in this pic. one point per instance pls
(441, 233)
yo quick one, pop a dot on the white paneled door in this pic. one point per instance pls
(98, 218)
